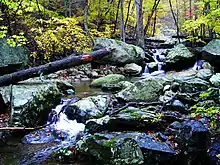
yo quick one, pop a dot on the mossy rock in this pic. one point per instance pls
(109, 79)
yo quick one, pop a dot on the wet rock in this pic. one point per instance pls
(175, 87)
(179, 57)
(211, 52)
(168, 96)
(111, 87)
(32, 101)
(193, 85)
(87, 108)
(193, 137)
(205, 104)
(215, 79)
(124, 84)
(166, 88)
(52, 76)
(128, 152)
(207, 65)
(176, 105)
(132, 69)
(93, 74)
(103, 148)
(128, 119)
(161, 41)
(144, 90)
(121, 54)
(204, 74)
(153, 66)
(214, 152)
(109, 79)
(12, 58)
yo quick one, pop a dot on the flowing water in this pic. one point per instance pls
(37, 146)
(159, 58)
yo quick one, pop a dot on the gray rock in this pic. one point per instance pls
(93, 74)
(122, 53)
(179, 57)
(132, 69)
(109, 79)
(127, 119)
(194, 137)
(31, 102)
(128, 152)
(146, 90)
(119, 148)
(215, 79)
(204, 74)
(211, 52)
(153, 66)
(193, 85)
(87, 108)
(124, 84)
(52, 76)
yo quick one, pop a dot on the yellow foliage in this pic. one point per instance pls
(59, 36)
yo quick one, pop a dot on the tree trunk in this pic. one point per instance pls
(51, 67)
(155, 22)
(139, 20)
(154, 8)
(86, 9)
(190, 9)
(116, 18)
(128, 13)
(122, 25)
(176, 23)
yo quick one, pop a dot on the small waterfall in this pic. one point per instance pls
(159, 57)
(61, 129)
(198, 65)
(71, 127)
(146, 69)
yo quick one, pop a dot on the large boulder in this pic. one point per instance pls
(129, 119)
(205, 74)
(193, 85)
(132, 69)
(179, 58)
(123, 148)
(31, 101)
(193, 137)
(144, 90)
(11, 58)
(87, 108)
(122, 53)
(211, 52)
(107, 80)
(215, 79)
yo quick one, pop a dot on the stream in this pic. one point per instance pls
(13, 152)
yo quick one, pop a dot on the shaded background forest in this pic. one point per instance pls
(53, 29)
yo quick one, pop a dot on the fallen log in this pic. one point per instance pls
(15, 128)
(51, 67)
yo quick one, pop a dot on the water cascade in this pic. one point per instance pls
(61, 130)
(198, 65)
(159, 58)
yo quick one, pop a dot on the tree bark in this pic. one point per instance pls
(140, 28)
(122, 24)
(51, 67)
(154, 8)
(86, 10)
(128, 13)
(174, 18)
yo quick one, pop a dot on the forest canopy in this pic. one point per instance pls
(56, 28)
